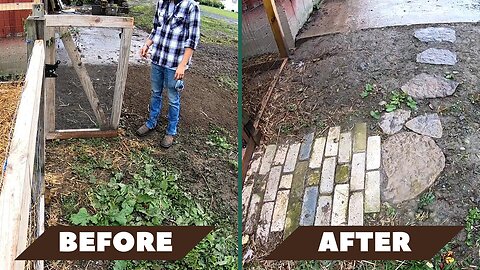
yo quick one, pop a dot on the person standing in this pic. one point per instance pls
(174, 38)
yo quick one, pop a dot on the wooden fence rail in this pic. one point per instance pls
(16, 191)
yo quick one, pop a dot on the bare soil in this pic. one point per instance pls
(321, 86)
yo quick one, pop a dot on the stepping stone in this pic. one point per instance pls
(437, 57)
(429, 86)
(411, 163)
(435, 34)
(392, 122)
(428, 125)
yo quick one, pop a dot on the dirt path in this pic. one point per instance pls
(321, 87)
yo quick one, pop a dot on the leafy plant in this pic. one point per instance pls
(150, 196)
(426, 199)
(398, 98)
(471, 221)
(375, 114)
(367, 90)
(218, 139)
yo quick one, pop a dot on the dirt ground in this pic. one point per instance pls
(208, 103)
(321, 86)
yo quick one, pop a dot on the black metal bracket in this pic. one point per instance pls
(50, 70)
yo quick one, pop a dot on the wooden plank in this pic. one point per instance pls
(16, 6)
(82, 133)
(266, 98)
(274, 20)
(49, 93)
(121, 78)
(85, 80)
(15, 196)
(89, 21)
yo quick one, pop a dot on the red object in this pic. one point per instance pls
(12, 22)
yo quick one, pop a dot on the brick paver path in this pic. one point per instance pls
(319, 181)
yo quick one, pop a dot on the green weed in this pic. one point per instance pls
(228, 82)
(218, 139)
(375, 114)
(367, 90)
(150, 196)
(471, 222)
(426, 199)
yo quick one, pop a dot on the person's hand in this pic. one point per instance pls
(180, 72)
(144, 51)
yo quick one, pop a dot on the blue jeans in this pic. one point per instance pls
(161, 78)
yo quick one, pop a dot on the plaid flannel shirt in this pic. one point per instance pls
(172, 34)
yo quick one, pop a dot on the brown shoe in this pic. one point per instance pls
(143, 130)
(167, 141)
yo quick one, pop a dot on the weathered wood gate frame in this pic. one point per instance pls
(22, 188)
(59, 24)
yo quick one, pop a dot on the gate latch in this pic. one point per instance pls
(50, 70)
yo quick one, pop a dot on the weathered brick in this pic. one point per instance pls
(355, 209)
(263, 228)
(373, 153)
(324, 210)
(293, 217)
(359, 137)
(298, 181)
(291, 159)
(331, 147)
(340, 205)
(280, 155)
(252, 214)
(267, 159)
(306, 146)
(255, 163)
(357, 180)
(345, 148)
(272, 184)
(342, 174)
(328, 175)
(280, 211)
(286, 181)
(295, 200)
(317, 153)
(246, 194)
(313, 178)
(309, 206)
(372, 192)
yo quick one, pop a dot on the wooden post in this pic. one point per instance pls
(277, 30)
(121, 78)
(15, 196)
(49, 94)
(34, 28)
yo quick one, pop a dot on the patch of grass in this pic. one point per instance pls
(212, 30)
(221, 12)
(219, 32)
(426, 199)
(472, 221)
(367, 90)
(228, 82)
(218, 139)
